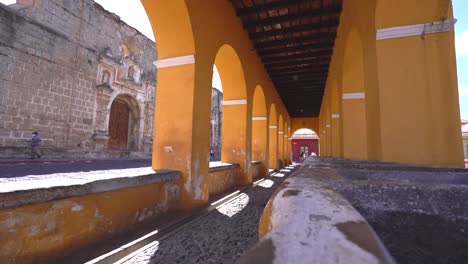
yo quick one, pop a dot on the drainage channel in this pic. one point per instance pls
(152, 239)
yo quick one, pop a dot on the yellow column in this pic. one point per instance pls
(328, 127)
(280, 148)
(420, 120)
(335, 122)
(273, 147)
(234, 137)
(355, 135)
(286, 150)
(176, 146)
(289, 145)
(259, 141)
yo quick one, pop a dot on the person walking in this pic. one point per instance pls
(35, 143)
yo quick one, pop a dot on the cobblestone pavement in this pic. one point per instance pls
(221, 236)
(27, 169)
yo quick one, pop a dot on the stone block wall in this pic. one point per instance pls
(47, 84)
(63, 63)
(52, 53)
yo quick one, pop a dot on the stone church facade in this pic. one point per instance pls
(78, 75)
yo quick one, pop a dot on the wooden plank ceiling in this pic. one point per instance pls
(294, 39)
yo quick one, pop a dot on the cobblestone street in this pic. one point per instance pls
(25, 176)
(221, 236)
(68, 166)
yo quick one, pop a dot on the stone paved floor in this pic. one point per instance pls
(218, 237)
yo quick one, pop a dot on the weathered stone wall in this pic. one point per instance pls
(62, 63)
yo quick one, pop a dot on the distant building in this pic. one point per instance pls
(216, 123)
(304, 143)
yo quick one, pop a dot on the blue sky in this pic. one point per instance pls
(132, 12)
(461, 31)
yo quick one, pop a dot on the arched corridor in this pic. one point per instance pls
(375, 80)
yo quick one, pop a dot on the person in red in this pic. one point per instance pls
(35, 144)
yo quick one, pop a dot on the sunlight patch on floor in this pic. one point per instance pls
(279, 175)
(235, 206)
(266, 183)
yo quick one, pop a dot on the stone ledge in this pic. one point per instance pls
(219, 166)
(18, 194)
(306, 221)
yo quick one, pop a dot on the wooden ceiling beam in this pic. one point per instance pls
(314, 46)
(298, 66)
(299, 78)
(302, 14)
(305, 55)
(317, 36)
(266, 7)
(297, 63)
(301, 71)
(297, 60)
(333, 25)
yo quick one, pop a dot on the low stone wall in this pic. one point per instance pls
(258, 169)
(42, 224)
(222, 177)
(308, 222)
(419, 213)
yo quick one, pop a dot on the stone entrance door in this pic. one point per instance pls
(118, 125)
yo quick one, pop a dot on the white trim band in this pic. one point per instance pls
(259, 118)
(280, 132)
(285, 136)
(235, 102)
(176, 61)
(416, 30)
(335, 116)
(349, 96)
(274, 127)
(327, 125)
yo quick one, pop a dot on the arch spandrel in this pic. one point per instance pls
(259, 106)
(176, 37)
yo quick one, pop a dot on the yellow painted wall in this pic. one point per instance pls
(222, 180)
(419, 74)
(258, 170)
(311, 123)
(259, 128)
(410, 112)
(280, 142)
(273, 138)
(39, 233)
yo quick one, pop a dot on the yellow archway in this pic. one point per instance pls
(280, 141)
(273, 138)
(234, 129)
(259, 128)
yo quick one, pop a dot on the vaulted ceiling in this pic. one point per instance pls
(294, 39)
